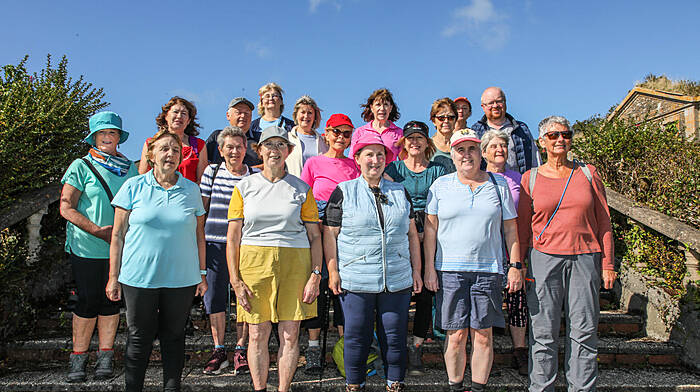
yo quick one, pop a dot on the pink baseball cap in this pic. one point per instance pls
(463, 135)
(368, 138)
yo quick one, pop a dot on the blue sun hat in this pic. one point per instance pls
(105, 120)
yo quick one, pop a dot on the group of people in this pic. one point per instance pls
(274, 211)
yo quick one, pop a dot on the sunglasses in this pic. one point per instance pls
(338, 132)
(555, 135)
(446, 117)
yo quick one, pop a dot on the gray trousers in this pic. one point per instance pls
(571, 282)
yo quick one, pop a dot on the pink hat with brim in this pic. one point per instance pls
(464, 135)
(367, 139)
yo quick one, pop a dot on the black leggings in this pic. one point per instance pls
(424, 306)
(149, 311)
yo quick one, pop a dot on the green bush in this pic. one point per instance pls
(656, 167)
(43, 118)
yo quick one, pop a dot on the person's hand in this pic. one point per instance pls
(417, 282)
(430, 279)
(242, 293)
(515, 280)
(609, 277)
(202, 287)
(334, 282)
(104, 233)
(311, 289)
(113, 290)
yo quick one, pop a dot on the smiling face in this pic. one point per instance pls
(558, 146)
(233, 151)
(271, 101)
(466, 156)
(496, 152)
(177, 118)
(445, 120)
(239, 116)
(494, 103)
(306, 115)
(166, 154)
(274, 152)
(106, 140)
(415, 144)
(372, 160)
(463, 110)
(339, 138)
(381, 109)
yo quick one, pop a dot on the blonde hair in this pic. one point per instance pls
(152, 142)
(272, 86)
(429, 149)
(307, 100)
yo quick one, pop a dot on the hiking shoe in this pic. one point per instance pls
(103, 366)
(396, 387)
(520, 360)
(354, 388)
(78, 363)
(415, 362)
(240, 361)
(313, 360)
(217, 362)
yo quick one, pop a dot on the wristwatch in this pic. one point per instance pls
(517, 265)
(316, 272)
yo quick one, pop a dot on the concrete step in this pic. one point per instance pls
(51, 376)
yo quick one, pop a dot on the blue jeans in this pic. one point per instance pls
(390, 311)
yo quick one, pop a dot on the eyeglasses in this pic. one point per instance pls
(498, 102)
(274, 145)
(444, 117)
(338, 132)
(555, 135)
(379, 195)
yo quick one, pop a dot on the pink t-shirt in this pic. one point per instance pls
(390, 137)
(323, 174)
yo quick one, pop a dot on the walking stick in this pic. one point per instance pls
(324, 329)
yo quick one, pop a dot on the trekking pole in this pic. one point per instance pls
(324, 329)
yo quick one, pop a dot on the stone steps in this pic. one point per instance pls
(51, 376)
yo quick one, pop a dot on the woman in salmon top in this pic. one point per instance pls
(179, 116)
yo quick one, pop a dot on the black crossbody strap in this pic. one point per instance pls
(99, 178)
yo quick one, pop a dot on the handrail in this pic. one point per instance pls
(664, 224)
(29, 204)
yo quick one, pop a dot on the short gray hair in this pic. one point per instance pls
(494, 133)
(546, 124)
(230, 131)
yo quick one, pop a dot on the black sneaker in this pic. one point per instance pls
(78, 363)
(313, 360)
(103, 366)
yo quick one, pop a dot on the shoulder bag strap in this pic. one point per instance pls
(213, 176)
(99, 178)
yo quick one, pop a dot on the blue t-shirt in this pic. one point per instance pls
(309, 146)
(265, 124)
(417, 184)
(469, 224)
(160, 247)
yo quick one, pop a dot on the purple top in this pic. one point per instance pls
(513, 180)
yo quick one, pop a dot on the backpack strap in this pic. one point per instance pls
(503, 237)
(99, 178)
(193, 143)
(533, 177)
(213, 176)
(585, 169)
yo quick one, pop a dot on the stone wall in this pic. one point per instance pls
(643, 106)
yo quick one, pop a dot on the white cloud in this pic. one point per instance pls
(257, 49)
(482, 24)
(314, 4)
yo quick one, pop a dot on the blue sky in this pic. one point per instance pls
(574, 58)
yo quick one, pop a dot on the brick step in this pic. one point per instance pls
(612, 350)
(51, 376)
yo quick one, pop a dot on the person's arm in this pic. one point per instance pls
(68, 209)
(203, 161)
(143, 163)
(311, 290)
(116, 249)
(604, 231)
(330, 250)
(515, 276)
(525, 215)
(429, 246)
(414, 251)
(202, 252)
(233, 248)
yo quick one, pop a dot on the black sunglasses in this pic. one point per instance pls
(555, 135)
(446, 117)
(338, 132)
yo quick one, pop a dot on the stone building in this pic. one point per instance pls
(670, 109)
